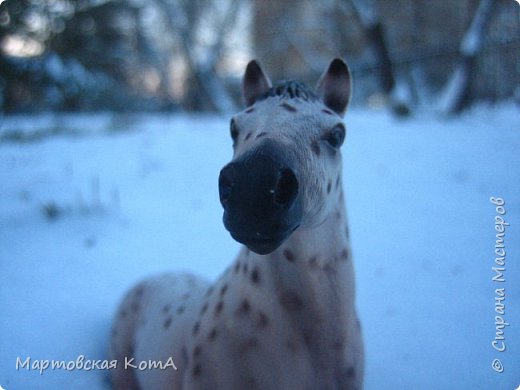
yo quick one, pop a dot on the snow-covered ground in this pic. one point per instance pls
(82, 217)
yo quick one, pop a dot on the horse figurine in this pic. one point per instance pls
(283, 315)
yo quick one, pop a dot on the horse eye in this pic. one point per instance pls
(336, 136)
(233, 130)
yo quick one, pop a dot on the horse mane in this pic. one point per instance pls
(291, 89)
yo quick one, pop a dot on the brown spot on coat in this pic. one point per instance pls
(184, 354)
(351, 372)
(244, 308)
(248, 135)
(204, 308)
(218, 308)
(255, 276)
(329, 187)
(212, 335)
(196, 328)
(338, 345)
(313, 262)
(288, 255)
(196, 351)
(196, 370)
(248, 345)
(290, 301)
(249, 110)
(180, 309)
(223, 290)
(167, 323)
(344, 254)
(307, 338)
(315, 146)
(251, 383)
(166, 308)
(329, 268)
(237, 267)
(263, 320)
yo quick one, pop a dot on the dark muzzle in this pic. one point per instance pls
(260, 195)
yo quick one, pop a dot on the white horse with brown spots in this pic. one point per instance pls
(283, 314)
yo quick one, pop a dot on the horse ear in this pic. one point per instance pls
(255, 82)
(335, 86)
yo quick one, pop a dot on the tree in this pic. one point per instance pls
(457, 93)
(204, 89)
(374, 31)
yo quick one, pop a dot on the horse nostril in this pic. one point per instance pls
(286, 188)
(225, 185)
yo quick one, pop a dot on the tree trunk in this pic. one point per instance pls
(204, 85)
(457, 93)
(375, 33)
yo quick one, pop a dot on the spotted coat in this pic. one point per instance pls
(281, 320)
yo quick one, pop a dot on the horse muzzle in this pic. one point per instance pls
(260, 194)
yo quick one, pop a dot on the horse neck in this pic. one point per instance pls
(313, 269)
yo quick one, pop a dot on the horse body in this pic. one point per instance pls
(282, 316)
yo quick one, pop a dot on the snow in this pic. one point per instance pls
(83, 217)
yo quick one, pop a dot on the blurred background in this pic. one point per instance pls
(189, 55)
(114, 125)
